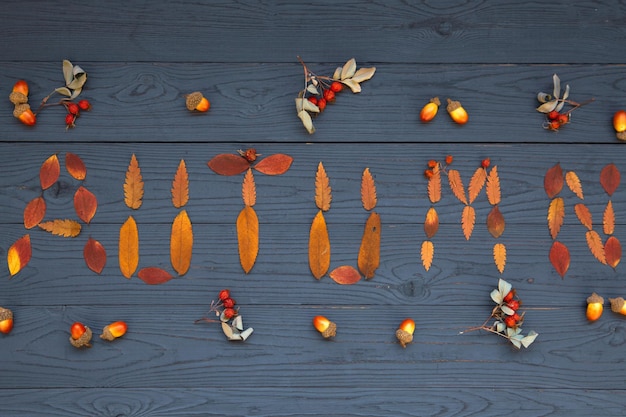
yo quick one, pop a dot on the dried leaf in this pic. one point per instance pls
(556, 213)
(573, 182)
(61, 227)
(427, 252)
(608, 219)
(180, 186)
(228, 164)
(559, 258)
(248, 189)
(456, 185)
(493, 187)
(319, 246)
(348, 70)
(431, 223)
(181, 243)
(276, 164)
(49, 172)
(369, 253)
(368, 190)
(612, 251)
(354, 86)
(248, 237)
(499, 256)
(133, 185)
(85, 204)
(154, 276)
(307, 122)
(495, 222)
(595, 245)
(75, 166)
(345, 275)
(95, 255)
(68, 71)
(34, 212)
(363, 74)
(468, 218)
(553, 181)
(128, 251)
(19, 254)
(434, 186)
(584, 215)
(323, 194)
(610, 178)
(477, 182)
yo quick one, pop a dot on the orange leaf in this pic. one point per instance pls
(553, 181)
(128, 252)
(228, 164)
(434, 186)
(248, 189)
(180, 186)
(468, 218)
(49, 172)
(559, 258)
(610, 178)
(556, 213)
(61, 227)
(85, 204)
(248, 237)
(493, 187)
(499, 256)
(323, 194)
(276, 164)
(495, 222)
(133, 185)
(595, 245)
(345, 275)
(368, 190)
(34, 212)
(181, 243)
(319, 246)
(573, 182)
(608, 219)
(95, 256)
(19, 254)
(612, 251)
(75, 166)
(477, 182)
(584, 215)
(456, 185)
(428, 252)
(431, 223)
(369, 253)
(154, 276)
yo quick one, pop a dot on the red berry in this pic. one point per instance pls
(509, 296)
(449, 159)
(229, 313)
(228, 303)
(321, 103)
(69, 120)
(224, 294)
(432, 163)
(84, 105)
(329, 95)
(312, 99)
(73, 108)
(553, 115)
(513, 305)
(336, 86)
(563, 118)
(485, 163)
(516, 317)
(510, 321)
(428, 173)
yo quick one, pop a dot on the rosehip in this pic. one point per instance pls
(229, 313)
(432, 163)
(509, 296)
(250, 154)
(563, 118)
(326, 327)
(114, 330)
(619, 124)
(553, 115)
(229, 303)
(84, 105)
(69, 120)
(457, 112)
(336, 86)
(428, 173)
(80, 335)
(224, 294)
(449, 159)
(24, 114)
(321, 104)
(510, 321)
(485, 163)
(429, 111)
(329, 96)
(554, 125)
(595, 307)
(513, 305)
(618, 305)
(312, 99)
(6, 320)
(196, 101)
(405, 331)
(73, 108)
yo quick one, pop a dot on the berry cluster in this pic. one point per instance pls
(433, 164)
(552, 105)
(325, 94)
(229, 317)
(73, 111)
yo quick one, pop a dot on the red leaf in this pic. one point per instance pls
(75, 166)
(553, 181)
(560, 258)
(495, 222)
(49, 172)
(34, 212)
(19, 254)
(276, 164)
(610, 178)
(95, 255)
(228, 164)
(345, 275)
(612, 251)
(154, 275)
(85, 204)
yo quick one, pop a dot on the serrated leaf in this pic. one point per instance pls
(363, 74)
(612, 251)
(307, 122)
(559, 258)
(468, 218)
(345, 275)
(248, 237)
(49, 172)
(154, 276)
(228, 164)
(594, 241)
(493, 187)
(499, 256)
(85, 204)
(323, 195)
(180, 186)
(319, 246)
(434, 186)
(75, 166)
(276, 164)
(368, 190)
(352, 85)
(556, 213)
(133, 185)
(495, 222)
(181, 243)
(369, 252)
(456, 185)
(427, 253)
(610, 178)
(34, 212)
(431, 223)
(95, 255)
(608, 219)
(573, 182)
(61, 227)
(584, 215)
(348, 69)
(476, 184)
(128, 248)
(553, 181)
(248, 189)
(19, 254)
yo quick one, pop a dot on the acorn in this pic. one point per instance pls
(25, 114)
(457, 112)
(619, 124)
(196, 101)
(618, 305)
(405, 332)
(6, 320)
(429, 111)
(326, 327)
(595, 306)
(80, 335)
(114, 330)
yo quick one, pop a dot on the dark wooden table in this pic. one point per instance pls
(142, 59)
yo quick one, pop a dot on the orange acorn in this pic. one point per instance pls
(25, 114)
(457, 112)
(405, 332)
(326, 327)
(618, 305)
(429, 111)
(196, 101)
(21, 87)
(6, 320)
(595, 306)
(80, 335)
(114, 330)
(619, 124)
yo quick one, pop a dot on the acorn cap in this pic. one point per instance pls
(83, 340)
(193, 100)
(331, 331)
(404, 337)
(453, 105)
(17, 98)
(621, 135)
(106, 334)
(595, 298)
(20, 108)
(5, 314)
(617, 304)
(436, 101)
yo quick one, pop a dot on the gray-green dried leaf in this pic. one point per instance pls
(306, 121)
(363, 74)
(68, 71)
(353, 85)
(348, 70)
(64, 91)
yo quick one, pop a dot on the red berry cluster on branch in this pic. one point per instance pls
(229, 317)
(73, 111)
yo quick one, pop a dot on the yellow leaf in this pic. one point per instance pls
(319, 246)
(181, 243)
(368, 190)
(323, 194)
(573, 182)
(456, 185)
(595, 245)
(248, 237)
(499, 256)
(133, 185)
(493, 187)
(608, 220)
(468, 218)
(128, 251)
(556, 213)
(19, 254)
(61, 227)
(428, 252)
(180, 186)
(248, 189)
(476, 183)
(434, 186)
(369, 253)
